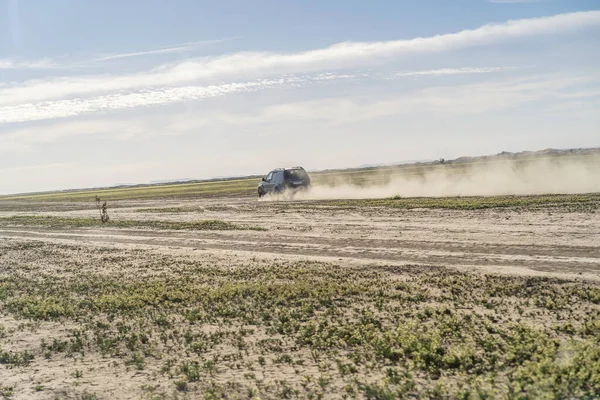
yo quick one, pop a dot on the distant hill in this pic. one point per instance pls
(394, 163)
(505, 155)
(181, 180)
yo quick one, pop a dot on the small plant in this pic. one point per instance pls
(284, 359)
(138, 361)
(77, 374)
(210, 366)
(191, 371)
(18, 359)
(6, 391)
(181, 386)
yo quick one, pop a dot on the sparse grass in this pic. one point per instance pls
(181, 386)
(77, 374)
(578, 203)
(389, 332)
(6, 391)
(184, 190)
(169, 210)
(71, 222)
(15, 359)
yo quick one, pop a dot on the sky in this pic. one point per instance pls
(117, 92)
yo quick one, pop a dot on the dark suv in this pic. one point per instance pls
(281, 179)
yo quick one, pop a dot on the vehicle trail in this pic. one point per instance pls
(548, 176)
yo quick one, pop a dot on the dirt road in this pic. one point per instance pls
(502, 241)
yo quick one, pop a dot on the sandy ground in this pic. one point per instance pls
(502, 241)
(546, 242)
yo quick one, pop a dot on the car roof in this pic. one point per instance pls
(287, 169)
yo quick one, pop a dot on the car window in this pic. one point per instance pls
(295, 174)
(276, 177)
(268, 178)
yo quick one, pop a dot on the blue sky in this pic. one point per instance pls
(98, 93)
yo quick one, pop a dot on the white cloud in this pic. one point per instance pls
(179, 48)
(454, 71)
(157, 96)
(67, 108)
(170, 95)
(46, 63)
(35, 64)
(339, 56)
(560, 91)
(455, 100)
(26, 139)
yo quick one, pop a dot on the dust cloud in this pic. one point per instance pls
(547, 176)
